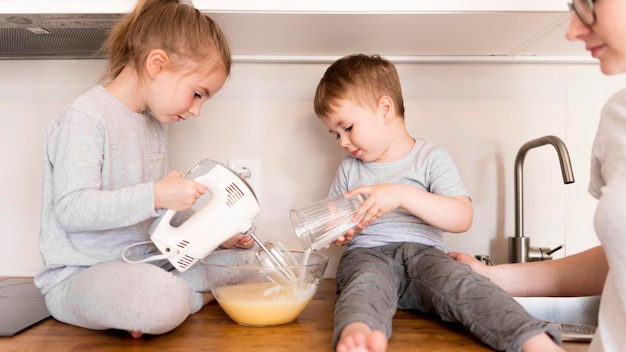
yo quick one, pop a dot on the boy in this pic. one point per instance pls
(414, 194)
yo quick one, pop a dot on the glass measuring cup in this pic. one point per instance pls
(321, 222)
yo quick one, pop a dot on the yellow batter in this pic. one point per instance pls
(263, 303)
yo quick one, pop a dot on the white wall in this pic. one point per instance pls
(481, 114)
(31, 94)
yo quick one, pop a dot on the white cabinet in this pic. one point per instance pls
(421, 31)
(413, 31)
(377, 6)
(295, 6)
(501, 36)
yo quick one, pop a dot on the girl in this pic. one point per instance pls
(105, 174)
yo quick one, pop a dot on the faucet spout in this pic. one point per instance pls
(566, 171)
(519, 246)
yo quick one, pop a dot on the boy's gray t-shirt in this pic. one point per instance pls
(426, 167)
(100, 161)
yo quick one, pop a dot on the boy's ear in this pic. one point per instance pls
(156, 62)
(386, 108)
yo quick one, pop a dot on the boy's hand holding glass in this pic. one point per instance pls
(381, 199)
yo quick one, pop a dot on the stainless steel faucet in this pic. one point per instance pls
(520, 250)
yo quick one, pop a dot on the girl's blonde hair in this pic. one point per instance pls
(184, 33)
(361, 78)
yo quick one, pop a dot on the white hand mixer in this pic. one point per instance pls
(231, 208)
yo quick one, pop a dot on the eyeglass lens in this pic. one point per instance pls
(585, 11)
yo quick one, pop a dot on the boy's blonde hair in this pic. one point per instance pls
(184, 33)
(361, 78)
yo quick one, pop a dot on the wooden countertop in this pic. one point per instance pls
(212, 330)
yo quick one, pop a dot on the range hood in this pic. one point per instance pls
(54, 36)
(313, 30)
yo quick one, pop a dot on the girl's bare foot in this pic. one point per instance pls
(135, 334)
(207, 297)
(359, 337)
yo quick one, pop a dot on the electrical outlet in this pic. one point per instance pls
(249, 170)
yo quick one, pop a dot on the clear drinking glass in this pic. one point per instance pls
(321, 222)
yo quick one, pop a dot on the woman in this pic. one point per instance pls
(601, 25)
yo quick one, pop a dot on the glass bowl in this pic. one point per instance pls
(250, 294)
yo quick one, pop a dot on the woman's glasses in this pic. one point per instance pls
(585, 10)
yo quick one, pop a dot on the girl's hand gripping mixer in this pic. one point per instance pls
(231, 208)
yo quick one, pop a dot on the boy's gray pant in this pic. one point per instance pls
(373, 282)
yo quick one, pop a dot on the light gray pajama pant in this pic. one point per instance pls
(373, 282)
(119, 295)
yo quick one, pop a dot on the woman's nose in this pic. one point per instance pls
(576, 28)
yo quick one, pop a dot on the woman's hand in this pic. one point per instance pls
(475, 264)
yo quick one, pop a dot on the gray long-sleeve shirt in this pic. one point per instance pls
(100, 161)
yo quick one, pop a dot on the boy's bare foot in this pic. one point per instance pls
(359, 337)
(542, 343)
(135, 334)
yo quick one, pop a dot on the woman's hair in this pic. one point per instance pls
(361, 78)
(188, 36)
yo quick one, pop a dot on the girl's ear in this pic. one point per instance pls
(385, 108)
(156, 62)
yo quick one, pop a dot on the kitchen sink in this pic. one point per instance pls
(576, 317)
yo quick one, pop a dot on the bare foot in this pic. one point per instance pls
(207, 297)
(542, 343)
(359, 337)
(135, 334)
